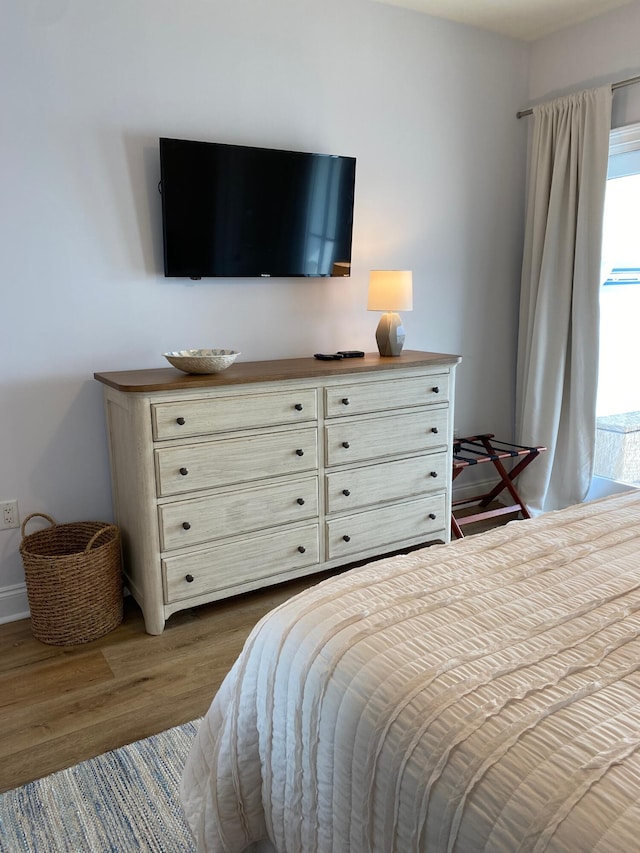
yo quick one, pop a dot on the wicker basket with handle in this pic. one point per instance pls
(73, 574)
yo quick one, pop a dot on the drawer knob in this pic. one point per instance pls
(298, 407)
(434, 430)
(189, 578)
(301, 548)
(180, 421)
(346, 538)
(184, 471)
(299, 452)
(346, 492)
(432, 516)
(186, 525)
(346, 445)
(433, 474)
(345, 401)
(300, 501)
(436, 389)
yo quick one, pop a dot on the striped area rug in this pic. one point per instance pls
(124, 800)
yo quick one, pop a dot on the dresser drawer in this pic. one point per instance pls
(382, 527)
(201, 417)
(232, 564)
(385, 396)
(407, 432)
(226, 461)
(386, 481)
(192, 522)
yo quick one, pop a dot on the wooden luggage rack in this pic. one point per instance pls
(476, 449)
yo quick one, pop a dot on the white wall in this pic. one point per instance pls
(428, 109)
(603, 50)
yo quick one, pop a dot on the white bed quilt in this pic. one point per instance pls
(477, 696)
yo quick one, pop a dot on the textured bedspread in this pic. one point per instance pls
(482, 695)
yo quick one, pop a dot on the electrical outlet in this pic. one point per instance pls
(9, 515)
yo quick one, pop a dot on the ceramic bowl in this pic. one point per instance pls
(201, 360)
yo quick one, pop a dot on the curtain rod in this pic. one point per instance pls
(614, 86)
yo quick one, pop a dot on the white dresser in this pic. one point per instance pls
(275, 469)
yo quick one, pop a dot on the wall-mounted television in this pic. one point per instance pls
(238, 211)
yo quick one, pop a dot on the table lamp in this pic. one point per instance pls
(390, 291)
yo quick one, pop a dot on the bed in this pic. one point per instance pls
(481, 695)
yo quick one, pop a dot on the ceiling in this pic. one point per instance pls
(522, 19)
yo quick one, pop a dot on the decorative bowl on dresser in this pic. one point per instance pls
(229, 482)
(202, 360)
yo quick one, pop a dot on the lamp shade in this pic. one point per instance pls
(390, 290)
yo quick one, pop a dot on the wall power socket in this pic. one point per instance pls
(9, 515)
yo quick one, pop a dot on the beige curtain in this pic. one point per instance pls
(559, 303)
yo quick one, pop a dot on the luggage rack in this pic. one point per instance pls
(476, 449)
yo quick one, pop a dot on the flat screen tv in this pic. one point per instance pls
(239, 211)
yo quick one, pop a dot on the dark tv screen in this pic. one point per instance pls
(239, 211)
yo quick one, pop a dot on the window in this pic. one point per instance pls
(618, 403)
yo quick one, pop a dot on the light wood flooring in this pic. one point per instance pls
(62, 705)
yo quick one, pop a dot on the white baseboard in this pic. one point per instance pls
(480, 487)
(14, 603)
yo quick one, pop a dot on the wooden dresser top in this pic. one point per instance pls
(244, 372)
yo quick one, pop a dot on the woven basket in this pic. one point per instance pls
(74, 580)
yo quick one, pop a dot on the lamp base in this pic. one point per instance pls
(390, 334)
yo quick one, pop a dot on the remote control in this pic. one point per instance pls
(324, 356)
(351, 353)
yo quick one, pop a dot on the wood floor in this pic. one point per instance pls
(62, 705)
